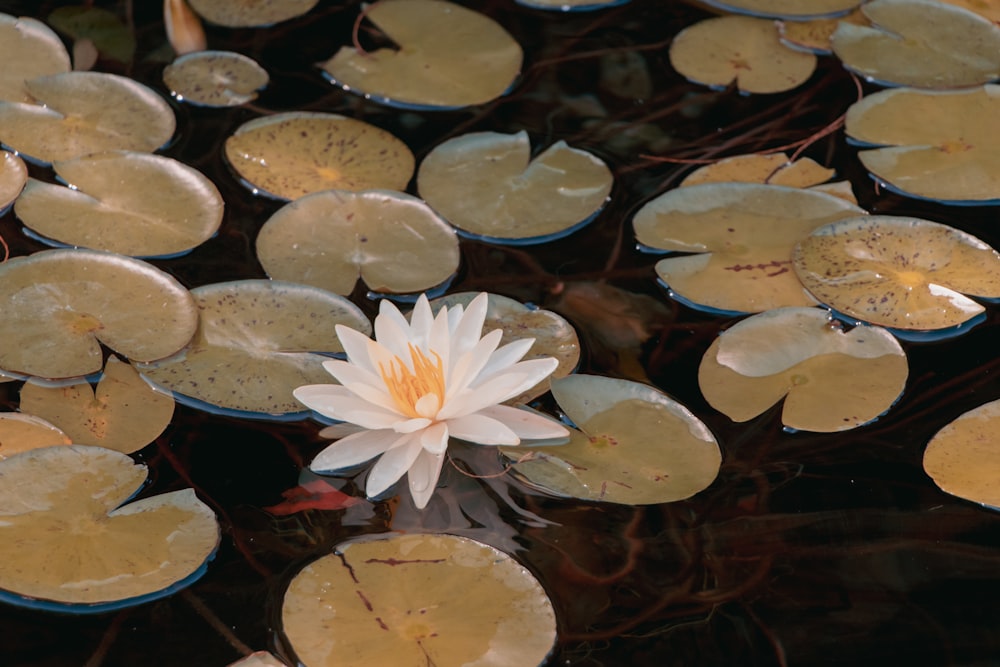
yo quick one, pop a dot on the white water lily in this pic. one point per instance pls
(419, 383)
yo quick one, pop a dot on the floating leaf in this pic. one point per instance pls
(718, 51)
(289, 155)
(394, 242)
(21, 432)
(830, 379)
(988, 9)
(68, 543)
(124, 413)
(60, 305)
(768, 168)
(257, 341)
(28, 49)
(448, 56)
(487, 185)
(125, 202)
(13, 176)
(250, 13)
(571, 5)
(745, 232)
(898, 272)
(258, 659)
(635, 445)
(815, 35)
(963, 458)
(417, 600)
(102, 27)
(214, 78)
(787, 9)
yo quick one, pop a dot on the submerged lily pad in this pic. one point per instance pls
(787, 9)
(250, 13)
(487, 185)
(963, 458)
(257, 341)
(125, 202)
(21, 432)
(745, 233)
(28, 49)
(68, 543)
(448, 56)
(635, 445)
(100, 26)
(830, 379)
(13, 176)
(394, 242)
(214, 78)
(59, 306)
(417, 600)
(289, 155)
(898, 272)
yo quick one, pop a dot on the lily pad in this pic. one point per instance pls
(898, 272)
(123, 413)
(250, 13)
(571, 5)
(77, 113)
(102, 27)
(258, 659)
(767, 168)
(719, 51)
(215, 78)
(125, 202)
(257, 341)
(963, 458)
(936, 145)
(787, 9)
(487, 185)
(448, 56)
(68, 542)
(830, 379)
(21, 432)
(920, 43)
(815, 35)
(28, 49)
(13, 176)
(59, 306)
(394, 242)
(289, 155)
(409, 600)
(745, 233)
(635, 445)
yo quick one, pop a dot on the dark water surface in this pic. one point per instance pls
(807, 550)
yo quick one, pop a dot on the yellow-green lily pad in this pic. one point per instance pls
(28, 49)
(214, 78)
(963, 458)
(13, 176)
(21, 432)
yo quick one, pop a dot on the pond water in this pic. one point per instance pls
(808, 549)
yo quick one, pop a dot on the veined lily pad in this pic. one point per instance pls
(60, 305)
(448, 56)
(68, 542)
(394, 242)
(635, 445)
(815, 35)
(22, 432)
(718, 51)
(214, 78)
(123, 413)
(13, 176)
(414, 600)
(124, 202)
(250, 13)
(830, 379)
(77, 113)
(257, 341)
(898, 272)
(921, 43)
(787, 9)
(28, 49)
(936, 145)
(487, 185)
(745, 233)
(963, 458)
(289, 155)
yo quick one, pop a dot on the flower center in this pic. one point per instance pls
(407, 387)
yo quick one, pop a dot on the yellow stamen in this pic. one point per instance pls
(407, 387)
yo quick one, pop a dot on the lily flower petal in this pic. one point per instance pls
(393, 464)
(526, 423)
(353, 449)
(423, 477)
(482, 430)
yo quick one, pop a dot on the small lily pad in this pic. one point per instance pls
(250, 13)
(487, 185)
(963, 458)
(21, 432)
(289, 155)
(68, 543)
(13, 176)
(417, 600)
(214, 78)
(787, 9)
(28, 49)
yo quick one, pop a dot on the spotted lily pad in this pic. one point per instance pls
(935, 145)
(417, 600)
(830, 379)
(257, 341)
(487, 185)
(214, 78)
(898, 272)
(963, 458)
(744, 233)
(635, 445)
(718, 51)
(13, 176)
(21, 432)
(68, 542)
(289, 155)
(28, 49)
(59, 306)
(920, 43)
(448, 56)
(250, 13)
(125, 202)
(394, 242)
(787, 9)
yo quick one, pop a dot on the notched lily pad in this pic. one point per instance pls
(28, 49)
(21, 432)
(68, 543)
(394, 242)
(787, 9)
(487, 185)
(257, 341)
(250, 13)
(899, 272)
(771, 169)
(214, 78)
(963, 458)
(125, 202)
(289, 155)
(13, 176)
(830, 379)
(815, 35)
(635, 445)
(417, 600)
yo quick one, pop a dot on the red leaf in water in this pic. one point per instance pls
(314, 495)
